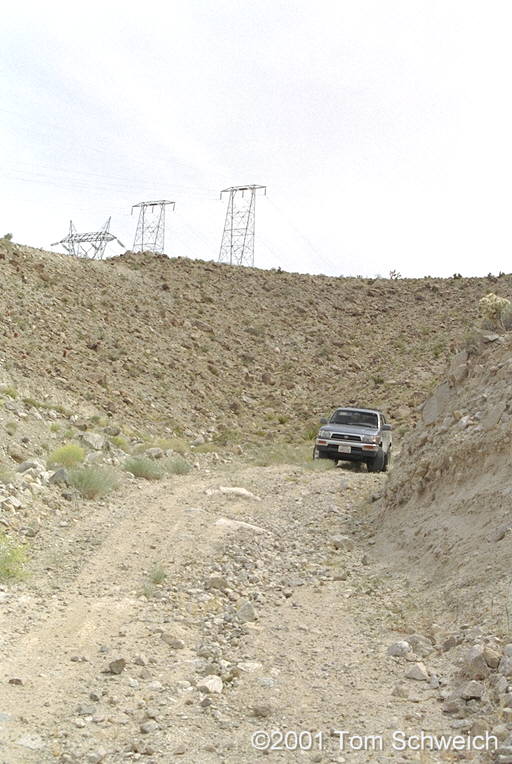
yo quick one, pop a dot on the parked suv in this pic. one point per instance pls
(355, 435)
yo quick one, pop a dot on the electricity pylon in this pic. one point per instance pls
(237, 245)
(91, 245)
(150, 233)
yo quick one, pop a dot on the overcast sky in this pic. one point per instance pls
(382, 128)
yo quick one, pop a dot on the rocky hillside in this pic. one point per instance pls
(164, 596)
(168, 345)
(446, 512)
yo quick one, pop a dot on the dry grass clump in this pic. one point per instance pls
(172, 444)
(8, 391)
(93, 482)
(311, 429)
(288, 454)
(158, 574)
(12, 559)
(143, 467)
(176, 465)
(207, 448)
(68, 455)
(119, 442)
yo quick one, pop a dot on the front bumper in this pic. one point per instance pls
(350, 451)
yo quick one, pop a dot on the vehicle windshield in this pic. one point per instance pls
(356, 418)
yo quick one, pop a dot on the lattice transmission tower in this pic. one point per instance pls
(237, 245)
(91, 245)
(150, 233)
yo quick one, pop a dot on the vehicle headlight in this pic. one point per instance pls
(370, 438)
(324, 434)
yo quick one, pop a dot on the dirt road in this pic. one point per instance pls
(217, 629)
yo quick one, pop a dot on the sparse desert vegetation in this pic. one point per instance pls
(249, 536)
(68, 455)
(144, 467)
(176, 465)
(12, 559)
(93, 482)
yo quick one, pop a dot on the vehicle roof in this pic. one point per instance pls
(357, 408)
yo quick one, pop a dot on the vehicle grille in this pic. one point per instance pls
(344, 436)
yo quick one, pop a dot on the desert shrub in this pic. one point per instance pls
(55, 407)
(55, 427)
(438, 348)
(226, 436)
(7, 236)
(68, 455)
(8, 391)
(143, 467)
(93, 482)
(157, 575)
(31, 403)
(206, 448)
(119, 442)
(311, 429)
(172, 444)
(496, 310)
(177, 465)
(12, 558)
(148, 590)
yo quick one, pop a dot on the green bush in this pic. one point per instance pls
(12, 558)
(143, 467)
(93, 482)
(66, 456)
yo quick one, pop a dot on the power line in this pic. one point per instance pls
(326, 260)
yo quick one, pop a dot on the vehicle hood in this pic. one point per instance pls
(351, 429)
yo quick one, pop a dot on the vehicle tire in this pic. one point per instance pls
(387, 460)
(377, 463)
(318, 454)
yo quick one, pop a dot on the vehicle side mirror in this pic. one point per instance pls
(323, 420)
(387, 427)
